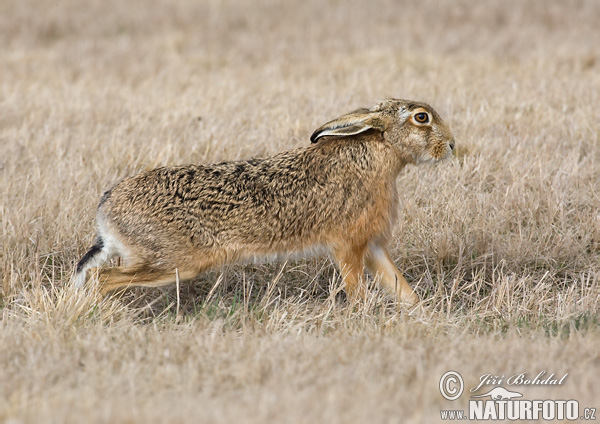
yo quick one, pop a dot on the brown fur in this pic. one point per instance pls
(338, 193)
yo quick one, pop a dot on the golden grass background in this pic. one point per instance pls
(502, 242)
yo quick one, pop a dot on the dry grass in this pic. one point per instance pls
(503, 242)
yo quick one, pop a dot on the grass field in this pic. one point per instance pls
(502, 242)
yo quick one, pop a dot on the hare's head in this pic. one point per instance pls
(414, 128)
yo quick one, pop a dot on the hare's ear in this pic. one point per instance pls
(356, 122)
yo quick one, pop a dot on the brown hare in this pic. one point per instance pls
(337, 195)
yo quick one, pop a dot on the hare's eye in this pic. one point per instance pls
(422, 118)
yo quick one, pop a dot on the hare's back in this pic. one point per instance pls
(247, 200)
(293, 198)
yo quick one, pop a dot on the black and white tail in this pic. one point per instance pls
(97, 255)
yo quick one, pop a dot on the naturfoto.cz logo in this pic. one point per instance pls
(499, 403)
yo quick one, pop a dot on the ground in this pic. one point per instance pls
(502, 242)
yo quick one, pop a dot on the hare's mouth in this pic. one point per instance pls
(434, 158)
(427, 159)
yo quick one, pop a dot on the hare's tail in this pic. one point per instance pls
(97, 255)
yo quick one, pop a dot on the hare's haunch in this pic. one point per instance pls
(337, 195)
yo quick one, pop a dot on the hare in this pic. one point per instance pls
(337, 195)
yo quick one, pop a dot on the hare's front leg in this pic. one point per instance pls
(351, 264)
(378, 261)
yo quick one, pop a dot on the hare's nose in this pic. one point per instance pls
(452, 144)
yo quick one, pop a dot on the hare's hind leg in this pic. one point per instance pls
(351, 264)
(112, 279)
(144, 275)
(378, 261)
